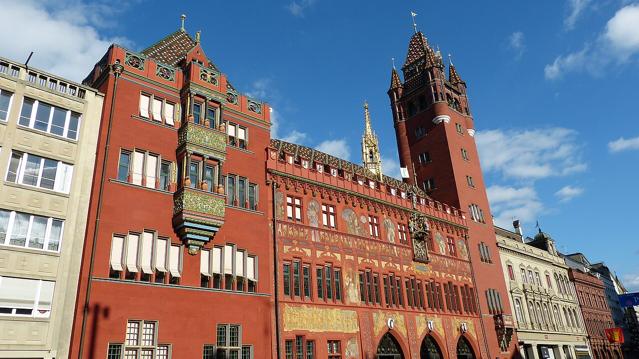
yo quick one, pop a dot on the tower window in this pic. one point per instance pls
(422, 102)
(429, 184)
(469, 180)
(464, 154)
(420, 132)
(411, 109)
(459, 128)
(424, 157)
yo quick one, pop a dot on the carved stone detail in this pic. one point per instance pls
(419, 231)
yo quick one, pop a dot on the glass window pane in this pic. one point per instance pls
(234, 336)
(42, 117)
(74, 123)
(193, 173)
(165, 171)
(48, 174)
(148, 334)
(5, 98)
(242, 192)
(31, 170)
(58, 121)
(197, 112)
(14, 165)
(132, 333)
(19, 232)
(38, 231)
(25, 113)
(55, 235)
(4, 224)
(123, 167)
(208, 177)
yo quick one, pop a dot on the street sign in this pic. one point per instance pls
(629, 299)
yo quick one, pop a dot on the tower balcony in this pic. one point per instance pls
(199, 202)
(197, 216)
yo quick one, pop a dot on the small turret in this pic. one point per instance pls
(453, 76)
(371, 157)
(395, 81)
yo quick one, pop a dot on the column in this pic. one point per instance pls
(534, 350)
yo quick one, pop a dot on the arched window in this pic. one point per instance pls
(531, 313)
(547, 314)
(523, 275)
(557, 316)
(370, 156)
(518, 311)
(542, 319)
(568, 323)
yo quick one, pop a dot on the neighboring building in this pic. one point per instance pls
(596, 313)
(549, 322)
(177, 259)
(435, 133)
(368, 265)
(625, 318)
(48, 133)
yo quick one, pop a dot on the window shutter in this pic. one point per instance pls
(169, 113)
(151, 170)
(231, 130)
(147, 252)
(117, 245)
(18, 292)
(144, 105)
(205, 264)
(174, 260)
(250, 268)
(63, 176)
(45, 299)
(217, 260)
(160, 255)
(241, 133)
(132, 253)
(239, 263)
(138, 163)
(228, 259)
(157, 110)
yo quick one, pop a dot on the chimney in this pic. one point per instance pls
(518, 229)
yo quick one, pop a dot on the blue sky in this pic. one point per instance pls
(553, 87)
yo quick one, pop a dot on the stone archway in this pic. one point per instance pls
(389, 348)
(430, 349)
(464, 349)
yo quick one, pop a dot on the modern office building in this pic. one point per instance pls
(48, 134)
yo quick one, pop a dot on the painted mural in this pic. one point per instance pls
(441, 242)
(389, 227)
(352, 222)
(314, 319)
(312, 213)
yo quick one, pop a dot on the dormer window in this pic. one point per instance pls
(319, 167)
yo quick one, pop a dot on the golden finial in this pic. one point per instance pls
(182, 18)
(197, 36)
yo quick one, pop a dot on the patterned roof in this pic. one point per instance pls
(171, 49)
(417, 48)
(453, 76)
(395, 81)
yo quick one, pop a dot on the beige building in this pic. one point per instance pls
(48, 134)
(543, 300)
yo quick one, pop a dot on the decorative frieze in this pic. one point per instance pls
(134, 60)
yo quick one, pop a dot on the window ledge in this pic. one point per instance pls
(153, 122)
(245, 209)
(46, 134)
(43, 252)
(115, 180)
(36, 189)
(179, 286)
(23, 318)
(240, 149)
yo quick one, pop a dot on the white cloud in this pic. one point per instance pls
(297, 8)
(338, 148)
(64, 35)
(577, 8)
(390, 167)
(530, 154)
(509, 202)
(260, 89)
(295, 136)
(622, 144)
(569, 192)
(616, 44)
(516, 41)
(631, 282)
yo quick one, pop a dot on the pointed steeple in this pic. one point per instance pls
(371, 157)
(417, 48)
(453, 76)
(395, 81)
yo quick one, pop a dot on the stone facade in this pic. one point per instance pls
(548, 320)
(48, 159)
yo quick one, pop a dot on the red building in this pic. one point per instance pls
(177, 259)
(596, 313)
(435, 132)
(208, 239)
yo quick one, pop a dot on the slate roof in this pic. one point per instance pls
(171, 49)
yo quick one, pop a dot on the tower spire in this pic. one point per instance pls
(182, 18)
(413, 14)
(371, 157)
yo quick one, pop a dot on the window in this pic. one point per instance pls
(419, 132)
(144, 169)
(470, 182)
(123, 166)
(25, 297)
(157, 109)
(329, 283)
(464, 154)
(197, 113)
(211, 116)
(424, 158)
(484, 253)
(328, 215)
(252, 196)
(459, 128)
(537, 279)
(511, 273)
(476, 213)
(300, 348)
(294, 208)
(402, 233)
(334, 349)
(244, 270)
(6, 98)
(373, 226)
(141, 341)
(114, 351)
(306, 280)
(229, 342)
(237, 135)
(519, 314)
(450, 244)
(30, 231)
(165, 173)
(209, 352)
(286, 272)
(241, 193)
(36, 171)
(157, 256)
(48, 118)
(429, 184)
